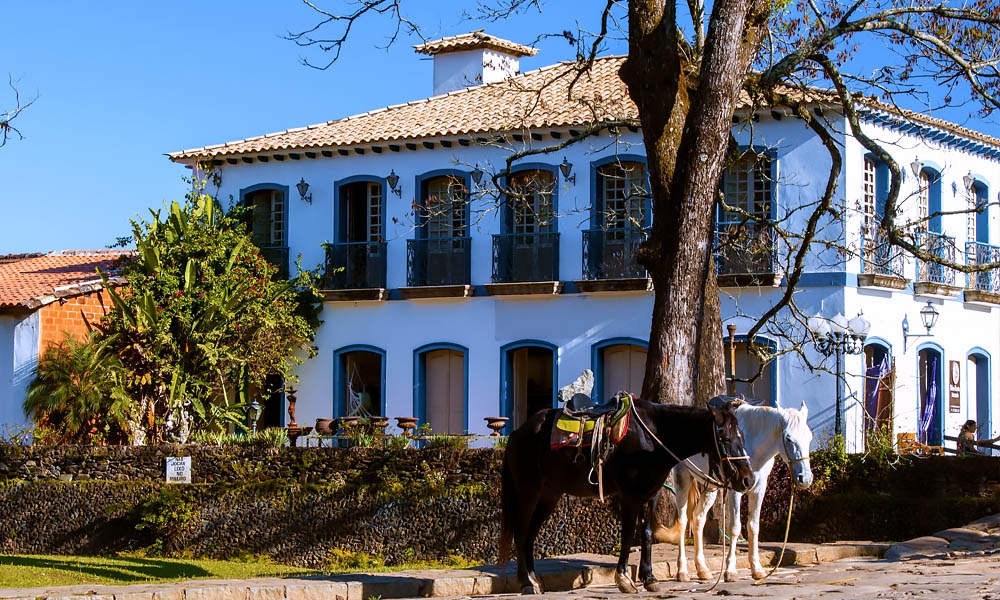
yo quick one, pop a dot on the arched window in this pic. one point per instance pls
(745, 240)
(622, 214)
(357, 258)
(267, 222)
(623, 197)
(440, 253)
(528, 247)
(443, 207)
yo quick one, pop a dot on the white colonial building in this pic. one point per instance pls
(446, 303)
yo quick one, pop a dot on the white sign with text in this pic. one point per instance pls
(178, 469)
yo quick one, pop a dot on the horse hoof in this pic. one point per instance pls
(683, 577)
(531, 590)
(704, 574)
(758, 574)
(625, 584)
(655, 586)
(730, 576)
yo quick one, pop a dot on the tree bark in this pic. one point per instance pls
(686, 127)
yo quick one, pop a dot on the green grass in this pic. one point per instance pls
(44, 571)
(35, 571)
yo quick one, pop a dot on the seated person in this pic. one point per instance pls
(967, 438)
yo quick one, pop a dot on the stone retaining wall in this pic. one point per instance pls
(298, 505)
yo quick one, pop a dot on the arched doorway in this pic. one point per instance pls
(620, 365)
(756, 383)
(978, 392)
(441, 388)
(529, 379)
(880, 376)
(359, 381)
(930, 401)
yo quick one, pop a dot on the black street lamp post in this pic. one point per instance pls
(839, 336)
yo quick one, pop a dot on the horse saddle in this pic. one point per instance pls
(581, 415)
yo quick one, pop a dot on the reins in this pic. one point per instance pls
(695, 470)
(791, 503)
(784, 542)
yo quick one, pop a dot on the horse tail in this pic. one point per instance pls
(508, 504)
(694, 501)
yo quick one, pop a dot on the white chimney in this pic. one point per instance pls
(472, 59)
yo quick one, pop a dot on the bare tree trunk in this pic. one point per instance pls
(684, 364)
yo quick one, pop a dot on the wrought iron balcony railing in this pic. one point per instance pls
(438, 261)
(744, 249)
(355, 265)
(879, 257)
(522, 257)
(611, 253)
(940, 246)
(978, 253)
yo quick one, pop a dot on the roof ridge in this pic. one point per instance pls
(191, 152)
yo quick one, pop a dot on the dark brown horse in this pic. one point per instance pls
(535, 476)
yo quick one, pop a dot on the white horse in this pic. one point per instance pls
(768, 432)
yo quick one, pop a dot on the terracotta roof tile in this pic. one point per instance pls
(475, 39)
(536, 100)
(36, 281)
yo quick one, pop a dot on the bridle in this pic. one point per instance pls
(693, 468)
(788, 457)
(725, 456)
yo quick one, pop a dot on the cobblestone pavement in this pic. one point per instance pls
(966, 578)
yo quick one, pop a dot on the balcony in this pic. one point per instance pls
(438, 268)
(525, 263)
(983, 287)
(881, 263)
(609, 261)
(934, 278)
(744, 256)
(355, 271)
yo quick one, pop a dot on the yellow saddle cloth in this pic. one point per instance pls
(568, 430)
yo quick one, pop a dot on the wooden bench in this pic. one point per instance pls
(906, 443)
(957, 445)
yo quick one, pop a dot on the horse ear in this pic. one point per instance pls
(804, 409)
(717, 415)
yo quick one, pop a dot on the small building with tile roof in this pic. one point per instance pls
(44, 297)
(447, 302)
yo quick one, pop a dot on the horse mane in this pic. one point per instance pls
(756, 418)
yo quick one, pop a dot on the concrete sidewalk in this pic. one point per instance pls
(558, 574)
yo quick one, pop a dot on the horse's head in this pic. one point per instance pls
(730, 461)
(796, 438)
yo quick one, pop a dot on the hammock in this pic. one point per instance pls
(356, 400)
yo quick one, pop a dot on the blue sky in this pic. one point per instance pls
(119, 84)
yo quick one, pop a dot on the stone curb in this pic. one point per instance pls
(558, 574)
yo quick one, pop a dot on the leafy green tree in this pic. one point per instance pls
(203, 323)
(72, 398)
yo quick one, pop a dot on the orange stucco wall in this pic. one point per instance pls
(71, 316)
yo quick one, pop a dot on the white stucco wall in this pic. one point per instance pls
(18, 359)
(574, 322)
(459, 70)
